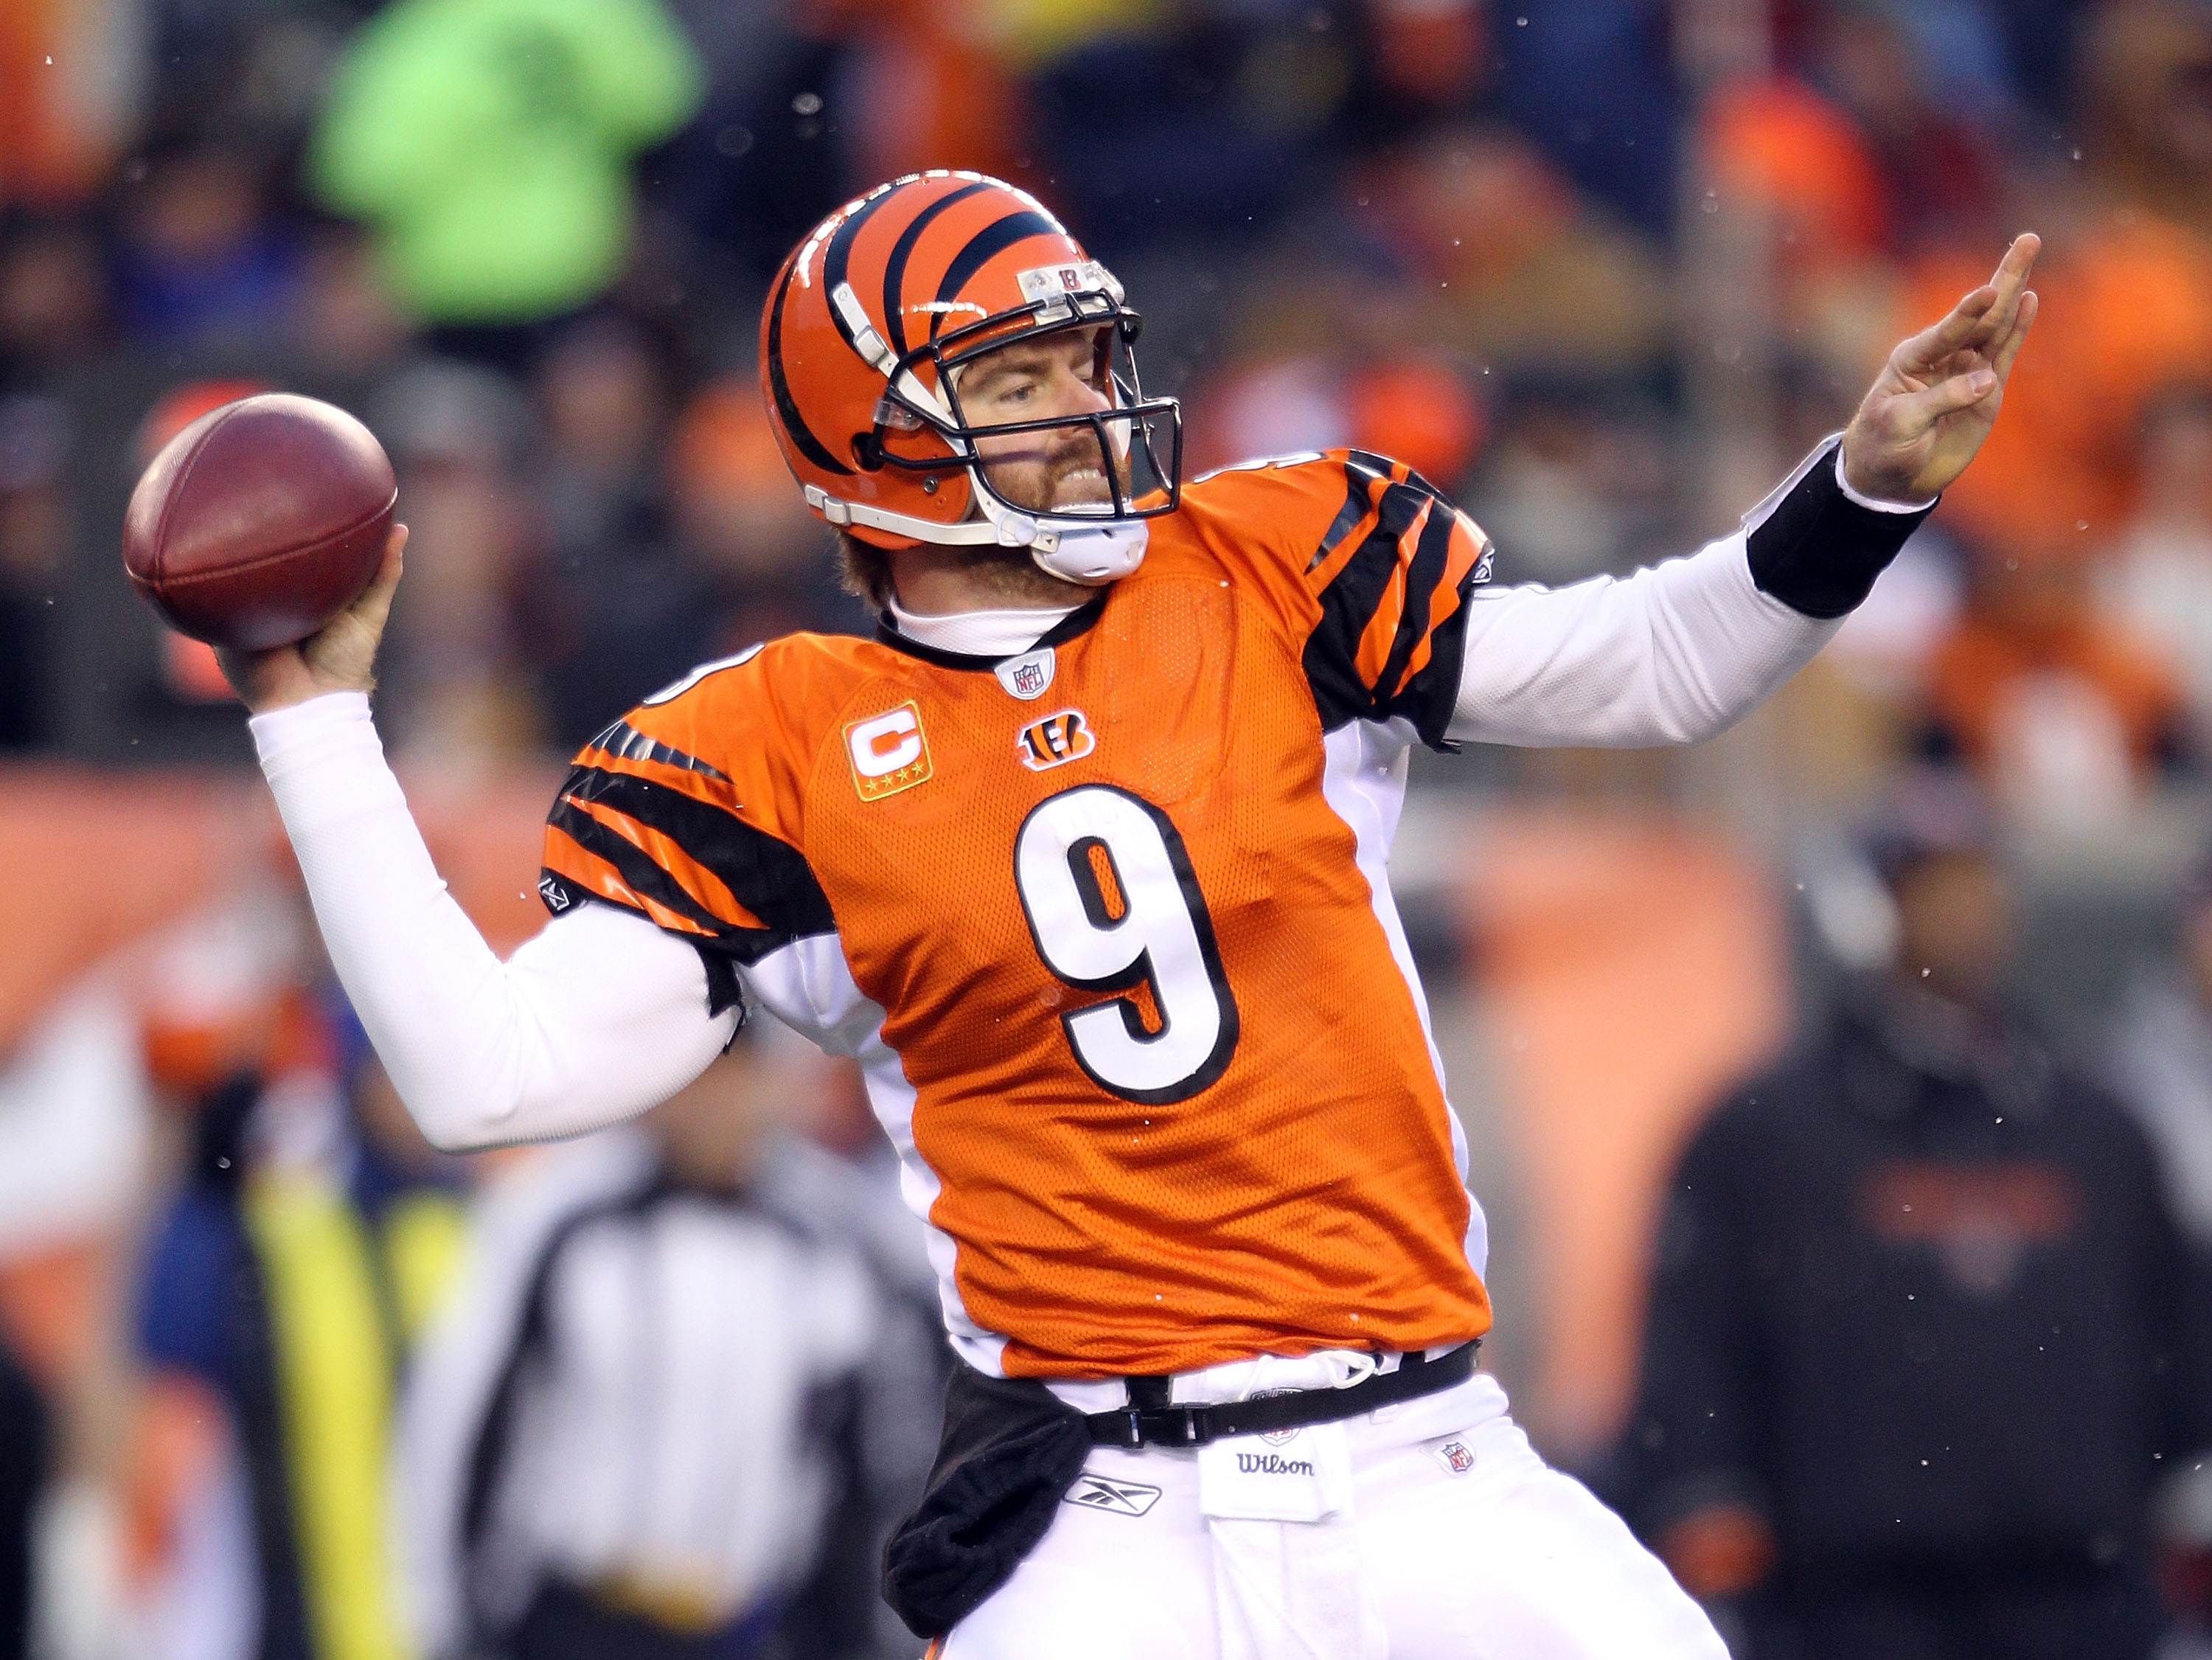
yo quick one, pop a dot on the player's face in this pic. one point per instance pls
(1062, 375)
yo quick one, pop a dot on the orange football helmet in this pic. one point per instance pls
(865, 327)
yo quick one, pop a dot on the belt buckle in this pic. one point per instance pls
(1193, 1425)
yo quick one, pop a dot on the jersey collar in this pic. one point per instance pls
(1076, 622)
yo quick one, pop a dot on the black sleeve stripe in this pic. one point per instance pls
(1426, 570)
(768, 877)
(623, 739)
(1362, 472)
(1432, 697)
(1348, 605)
(633, 864)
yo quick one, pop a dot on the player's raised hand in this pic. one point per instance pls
(1936, 398)
(339, 657)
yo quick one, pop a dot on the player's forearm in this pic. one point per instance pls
(597, 1017)
(1681, 651)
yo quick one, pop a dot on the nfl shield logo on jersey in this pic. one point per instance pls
(1455, 1455)
(1029, 675)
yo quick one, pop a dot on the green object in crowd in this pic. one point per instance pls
(488, 140)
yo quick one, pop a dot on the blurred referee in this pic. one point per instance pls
(673, 1409)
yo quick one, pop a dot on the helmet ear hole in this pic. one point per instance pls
(868, 452)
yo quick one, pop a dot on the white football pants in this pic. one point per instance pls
(1459, 1543)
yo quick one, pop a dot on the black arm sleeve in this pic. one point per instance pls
(1819, 551)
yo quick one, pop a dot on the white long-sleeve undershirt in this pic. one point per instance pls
(602, 1015)
(597, 1017)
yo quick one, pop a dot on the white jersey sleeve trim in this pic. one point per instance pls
(597, 1017)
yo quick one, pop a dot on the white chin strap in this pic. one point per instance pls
(1090, 552)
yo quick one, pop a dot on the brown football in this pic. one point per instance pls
(260, 521)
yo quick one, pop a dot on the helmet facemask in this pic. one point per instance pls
(1138, 441)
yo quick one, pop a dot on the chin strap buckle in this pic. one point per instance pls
(838, 512)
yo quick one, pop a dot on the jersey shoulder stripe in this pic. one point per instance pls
(1383, 563)
(757, 889)
(686, 811)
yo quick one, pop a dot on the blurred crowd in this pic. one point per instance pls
(1603, 269)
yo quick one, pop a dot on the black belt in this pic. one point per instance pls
(1148, 1420)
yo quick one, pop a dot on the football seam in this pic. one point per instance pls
(177, 489)
(339, 534)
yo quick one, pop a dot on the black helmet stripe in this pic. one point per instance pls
(993, 239)
(903, 250)
(838, 256)
(794, 422)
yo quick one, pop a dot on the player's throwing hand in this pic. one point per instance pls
(341, 657)
(1937, 397)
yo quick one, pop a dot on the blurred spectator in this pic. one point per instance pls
(457, 434)
(2067, 715)
(345, 327)
(2160, 1062)
(614, 612)
(2127, 315)
(280, 1290)
(2145, 89)
(2161, 1059)
(2159, 579)
(35, 536)
(489, 141)
(1578, 481)
(1590, 83)
(739, 522)
(72, 90)
(1784, 147)
(53, 303)
(1925, 84)
(1163, 124)
(203, 258)
(1924, 1333)
(1413, 407)
(1511, 266)
(23, 1458)
(674, 1409)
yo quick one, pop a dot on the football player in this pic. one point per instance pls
(1083, 856)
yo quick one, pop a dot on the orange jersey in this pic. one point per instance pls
(1107, 923)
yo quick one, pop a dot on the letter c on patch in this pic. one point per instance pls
(885, 744)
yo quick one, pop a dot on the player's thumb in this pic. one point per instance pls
(374, 605)
(1919, 410)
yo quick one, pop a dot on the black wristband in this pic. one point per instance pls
(1819, 551)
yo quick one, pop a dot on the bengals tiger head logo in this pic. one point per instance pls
(1054, 740)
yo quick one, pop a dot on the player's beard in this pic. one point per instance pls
(1073, 478)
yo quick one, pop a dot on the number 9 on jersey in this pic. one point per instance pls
(1112, 904)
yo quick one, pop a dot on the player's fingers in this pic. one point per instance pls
(2019, 260)
(2010, 283)
(2009, 348)
(1929, 348)
(1912, 415)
